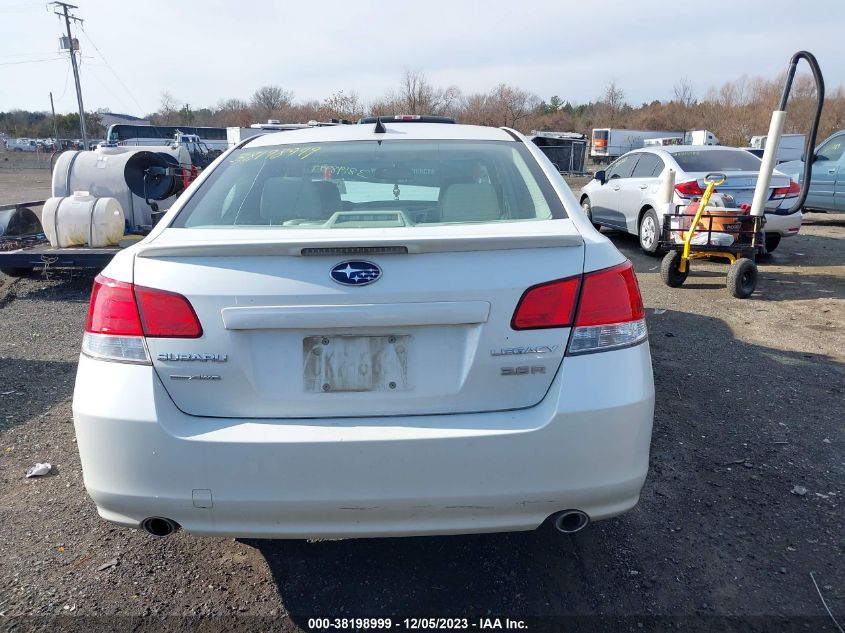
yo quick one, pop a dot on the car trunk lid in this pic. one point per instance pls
(283, 339)
(741, 184)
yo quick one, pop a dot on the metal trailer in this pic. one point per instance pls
(21, 254)
(566, 150)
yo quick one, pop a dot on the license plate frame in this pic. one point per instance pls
(341, 363)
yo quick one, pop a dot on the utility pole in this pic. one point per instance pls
(64, 6)
(55, 128)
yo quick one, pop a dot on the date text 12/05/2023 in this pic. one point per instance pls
(414, 624)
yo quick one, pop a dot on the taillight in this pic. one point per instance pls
(121, 314)
(112, 309)
(609, 296)
(786, 192)
(166, 314)
(546, 305)
(610, 311)
(604, 308)
(689, 189)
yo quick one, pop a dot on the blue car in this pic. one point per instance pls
(827, 181)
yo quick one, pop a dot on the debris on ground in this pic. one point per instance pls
(799, 490)
(824, 602)
(108, 565)
(38, 470)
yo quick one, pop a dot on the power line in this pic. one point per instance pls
(64, 89)
(116, 76)
(106, 86)
(32, 61)
(39, 54)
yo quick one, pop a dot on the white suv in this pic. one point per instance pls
(369, 330)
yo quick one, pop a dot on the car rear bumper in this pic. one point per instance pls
(784, 225)
(585, 447)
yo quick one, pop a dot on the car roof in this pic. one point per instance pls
(672, 149)
(394, 131)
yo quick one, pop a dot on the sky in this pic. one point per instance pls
(206, 51)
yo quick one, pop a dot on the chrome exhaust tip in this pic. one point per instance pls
(570, 521)
(159, 526)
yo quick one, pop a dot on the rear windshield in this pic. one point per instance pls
(717, 160)
(367, 184)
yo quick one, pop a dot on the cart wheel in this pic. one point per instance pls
(742, 278)
(670, 270)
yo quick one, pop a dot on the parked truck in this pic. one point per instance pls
(791, 147)
(608, 144)
(700, 137)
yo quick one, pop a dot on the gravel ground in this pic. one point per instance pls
(749, 406)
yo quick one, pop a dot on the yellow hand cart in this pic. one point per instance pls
(698, 231)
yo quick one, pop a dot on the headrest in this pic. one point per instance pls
(470, 202)
(329, 196)
(284, 199)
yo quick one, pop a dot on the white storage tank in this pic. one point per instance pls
(83, 220)
(118, 172)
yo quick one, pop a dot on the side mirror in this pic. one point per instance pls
(600, 176)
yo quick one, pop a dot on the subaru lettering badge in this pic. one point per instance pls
(355, 273)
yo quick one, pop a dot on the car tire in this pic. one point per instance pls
(649, 233)
(742, 278)
(772, 241)
(588, 209)
(15, 272)
(670, 270)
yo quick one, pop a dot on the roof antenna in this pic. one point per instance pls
(380, 129)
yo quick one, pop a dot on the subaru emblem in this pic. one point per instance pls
(355, 273)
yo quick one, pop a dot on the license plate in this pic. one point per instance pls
(355, 363)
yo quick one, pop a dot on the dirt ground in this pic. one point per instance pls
(749, 406)
(22, 175)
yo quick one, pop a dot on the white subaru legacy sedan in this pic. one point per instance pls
(367, 330)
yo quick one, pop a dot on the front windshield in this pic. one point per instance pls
(367, 184)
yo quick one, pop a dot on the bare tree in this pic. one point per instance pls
(614, 97)
(234, 112)
(476, 109)
(415, 92)
(611, 104)
(270, 99)
(342, 106)
(685, 93)
(169, 104)
(418, 96)
(512, 104)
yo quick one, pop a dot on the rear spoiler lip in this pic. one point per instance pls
(415, 245)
